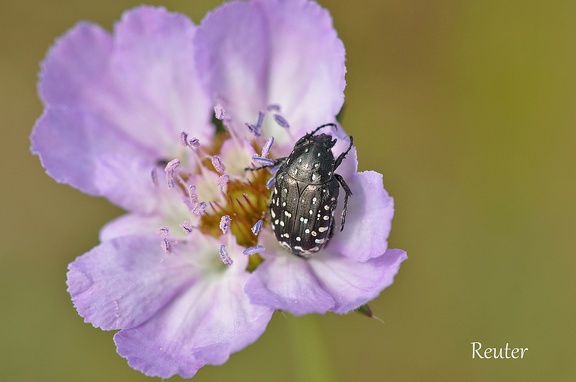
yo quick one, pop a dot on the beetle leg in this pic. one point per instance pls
(348, 194)
(276, 163)
(343, 155)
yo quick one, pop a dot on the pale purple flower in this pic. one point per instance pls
(181, 274)
(287, 57)
(116, 107)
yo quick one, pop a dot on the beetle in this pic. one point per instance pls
(305, 194)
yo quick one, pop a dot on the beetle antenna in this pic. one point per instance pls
(322, 126)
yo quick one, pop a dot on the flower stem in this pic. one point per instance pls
(309, 350)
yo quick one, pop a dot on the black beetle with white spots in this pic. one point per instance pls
(305, 194)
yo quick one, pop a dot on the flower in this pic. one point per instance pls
(193, 273)
(287, 53)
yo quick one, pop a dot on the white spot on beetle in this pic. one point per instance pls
(282, 223)
(298, 238)
(319, 241)
(326, 207)
(323, 229)
(313, 233)
(326, 217)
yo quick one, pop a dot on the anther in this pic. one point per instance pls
(273, 107)
(281, 121)
(184, 138)
(263, 161)
(256, 128)
(225, 223)
(154, 177)
(257, 227)
(218, 165)
(170, 169)
(187, 227)
(192, 195)
(163, 231)
(224, 256)
(267, 146)
(219, 112)
(194, 143)
(253, 250)
(270, 182)
(222, 181)
(166, 246)
(199, 208)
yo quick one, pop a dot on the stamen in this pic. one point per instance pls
(281, 121)
(225, 224)
(267, 146)
(184, 138)
(187, 227)
(270, 182)
(252, 128)
(224, 256)
(170, 169)
(253, 250)
(218, 165)
(263, 161)
(199, 208)
(194, 143)
(256, 128)
(273, 107)
(257, 227)
(163, 231)
(219, 112)
(166, 246)
(222, 181)
(154, 177)
(192, 195)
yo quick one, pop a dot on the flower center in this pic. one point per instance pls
(246, 202)
(223, 199)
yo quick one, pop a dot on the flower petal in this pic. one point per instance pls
(353, 283)
(286, 282)
(273, 52)
(132, 225)
(87, 153)
(123, 282)
(154, 63)
(204, 325)
(368, 220)
(141, 82)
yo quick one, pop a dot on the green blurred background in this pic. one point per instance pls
(468, 108)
